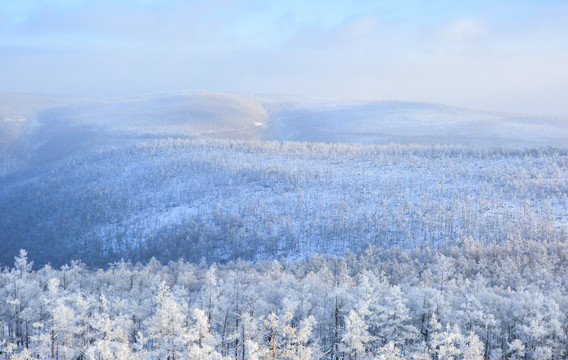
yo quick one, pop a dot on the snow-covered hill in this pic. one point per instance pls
(385, 122)
(35, 129)
(223, 176)
(225, 199)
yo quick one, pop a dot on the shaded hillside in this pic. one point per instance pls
(225, 199)
(226, 176)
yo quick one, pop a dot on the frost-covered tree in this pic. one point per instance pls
(168, 332)
(319, 308)
(62, 327)
(110, 335)
(202, 343)
(355, 338)
(474, 349)
(389, 352)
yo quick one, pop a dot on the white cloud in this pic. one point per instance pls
(507, 55)
(465, 29)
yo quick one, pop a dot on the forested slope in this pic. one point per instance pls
(226, 199)
(226, 226)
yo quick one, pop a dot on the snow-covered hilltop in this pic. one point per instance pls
(35, 129)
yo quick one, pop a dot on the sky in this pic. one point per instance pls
(503, 55)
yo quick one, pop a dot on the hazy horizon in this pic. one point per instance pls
(509, 56)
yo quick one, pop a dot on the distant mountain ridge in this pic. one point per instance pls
(35, 129)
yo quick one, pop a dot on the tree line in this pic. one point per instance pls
(455, 300)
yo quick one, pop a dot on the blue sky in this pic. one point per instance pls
(496, 55)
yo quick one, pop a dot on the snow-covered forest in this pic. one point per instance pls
(212, 226)
(227, 199)
(457, 300)
(432, 253)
